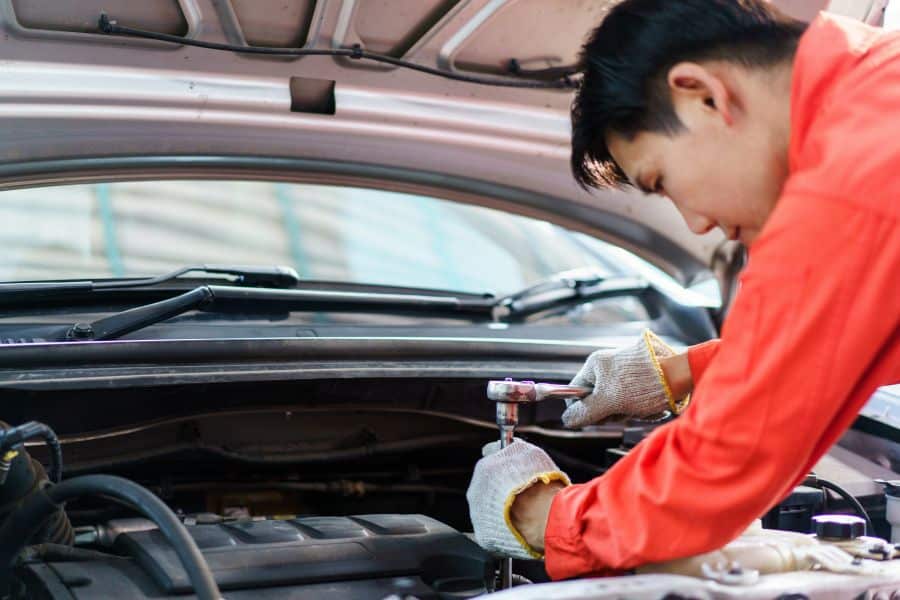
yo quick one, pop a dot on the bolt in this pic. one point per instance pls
(81, 331)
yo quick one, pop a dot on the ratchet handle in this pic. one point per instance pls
(521, 392)
(550, 391)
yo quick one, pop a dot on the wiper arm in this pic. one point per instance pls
(119, 324)
(128, 321)
(251, 276)
(578, 284)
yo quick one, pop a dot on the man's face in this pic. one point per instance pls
(720, 170)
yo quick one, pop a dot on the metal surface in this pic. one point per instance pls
(107, 533)
(452, 46)
(515, 392)
(488, 48)
(507, 419)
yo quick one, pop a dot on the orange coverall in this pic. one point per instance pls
(814, 330)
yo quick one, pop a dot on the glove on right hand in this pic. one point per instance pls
(627, 382)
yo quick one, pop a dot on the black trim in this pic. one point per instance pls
(129, 377)
(877, 428)
(173, 352)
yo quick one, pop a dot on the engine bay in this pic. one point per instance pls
(322, 489)
(370, 556)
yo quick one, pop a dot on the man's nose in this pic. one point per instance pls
(696, 222)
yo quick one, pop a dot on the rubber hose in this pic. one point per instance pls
(31, 430)
(27, 477)
(28, 518)
(56, 457)
(58, 528)
(20, 526)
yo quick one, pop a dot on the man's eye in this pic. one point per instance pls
(658, 187)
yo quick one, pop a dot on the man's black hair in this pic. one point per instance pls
(626, 60)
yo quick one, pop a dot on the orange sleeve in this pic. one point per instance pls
(700, 356)
(814, 329)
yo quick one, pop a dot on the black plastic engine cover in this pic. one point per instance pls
(369, 556)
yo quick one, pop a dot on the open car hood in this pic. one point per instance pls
(77, 104)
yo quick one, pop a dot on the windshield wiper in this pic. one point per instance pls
(250, 276)
(224, 297)
(564, 288)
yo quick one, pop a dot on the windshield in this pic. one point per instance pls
(344, 234)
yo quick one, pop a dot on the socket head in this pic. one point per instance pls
(514, 392)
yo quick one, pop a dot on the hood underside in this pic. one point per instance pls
(77, 104)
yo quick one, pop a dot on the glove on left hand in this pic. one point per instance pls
(497, 479)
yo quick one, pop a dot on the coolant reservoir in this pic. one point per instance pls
(765, 551)
(849, 534)
(838, 547)
(892, 500)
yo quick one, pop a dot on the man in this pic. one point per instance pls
(788, 139)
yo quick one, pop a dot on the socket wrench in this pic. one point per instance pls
(508, 395)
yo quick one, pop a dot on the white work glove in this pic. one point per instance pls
(627, 382)
(498, 478)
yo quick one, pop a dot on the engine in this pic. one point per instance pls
(360, 557)
(57, 541)
(334, 498)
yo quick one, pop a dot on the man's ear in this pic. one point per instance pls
(691, 81)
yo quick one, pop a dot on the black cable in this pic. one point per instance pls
(56, 459)
(563, 81)
(817, 481)
(16, 436)
(293, 458)
(29, 517)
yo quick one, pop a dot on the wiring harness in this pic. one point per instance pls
(552, 78)
(13, 439)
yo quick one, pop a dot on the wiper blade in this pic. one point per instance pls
(223, 297)
(564, 288)
(250, 276)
